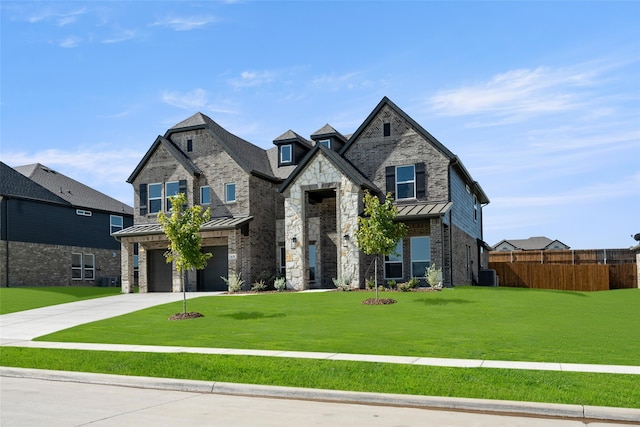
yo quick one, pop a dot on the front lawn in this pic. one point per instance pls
(467, 322)
(19, 299)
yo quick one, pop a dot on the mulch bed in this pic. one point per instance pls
(184, 316)
(379, 301)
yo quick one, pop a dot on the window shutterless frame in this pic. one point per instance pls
(230, 192)
(286, 154)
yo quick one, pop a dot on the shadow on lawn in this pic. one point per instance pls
(438, 301)
(247, 315)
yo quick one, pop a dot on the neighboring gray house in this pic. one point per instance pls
(56, 231)
(540, 243)
(292, 210)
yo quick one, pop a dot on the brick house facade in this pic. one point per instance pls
(292, 210)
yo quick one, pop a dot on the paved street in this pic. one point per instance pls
(35, 402)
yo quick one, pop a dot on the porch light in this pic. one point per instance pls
(345, 239)
(294, 240)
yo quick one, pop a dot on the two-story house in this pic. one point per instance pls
(56, 231)
(292, 210)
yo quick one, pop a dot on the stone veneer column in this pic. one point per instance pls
(142, 270)
(347, 214)
(294, 228)
(126, 265)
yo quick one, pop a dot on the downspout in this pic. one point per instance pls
(6, 227)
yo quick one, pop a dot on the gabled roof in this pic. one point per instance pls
(453, 159)
(290, 136)
(176, 152)
(531, 244)
(327, 131)
(341, 163)
(15, 184)
(387, 102)
(74, 192)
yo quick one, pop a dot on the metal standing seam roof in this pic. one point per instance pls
(225, 223)
(423, 210)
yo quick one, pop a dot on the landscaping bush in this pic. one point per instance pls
(234, 282)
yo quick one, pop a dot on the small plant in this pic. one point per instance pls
(391, 284)
(259, 286)
(280, 284)
(405, 287)
(414, 282)
(371, 283)
(381, 288)
(434, 276)
(234, 282)
(342, 284)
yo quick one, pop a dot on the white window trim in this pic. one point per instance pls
(325, 142)
(226, 192)
(413, 181)
(92, 269)
(166, 194)
(80, 268)
(111, 224)
(290, 159)
(475, 208)
(149, 198)
(400, 261)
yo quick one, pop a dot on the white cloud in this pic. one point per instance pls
(121, 36)
(196, 100)
(253, 78)
(59, 18)
(70, 42)
(185, 23)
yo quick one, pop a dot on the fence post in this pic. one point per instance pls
(541, 257)
(605, 255)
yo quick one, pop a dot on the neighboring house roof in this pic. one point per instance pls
(74, 192)
(531, 244)
(222, 223)
(340, 162)
(15, 184)
(454, 160)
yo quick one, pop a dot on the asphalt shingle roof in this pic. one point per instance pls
(15, 184)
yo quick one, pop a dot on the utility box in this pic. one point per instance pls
(487, 277)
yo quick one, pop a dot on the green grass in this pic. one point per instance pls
(19, 299)
(470, 323)
(503, 384)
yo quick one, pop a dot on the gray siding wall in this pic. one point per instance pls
(463, 207)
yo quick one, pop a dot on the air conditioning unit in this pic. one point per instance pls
(487, 278)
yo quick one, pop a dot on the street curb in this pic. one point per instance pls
(505, 407)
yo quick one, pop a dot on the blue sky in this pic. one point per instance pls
(540, 100)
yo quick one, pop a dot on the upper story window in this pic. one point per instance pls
(171, 189)
(230, 192)
(116, 223)
(405, 182)
(189, 145)
(475, 207)
(155, 198)
(286, 153)
(205, 195)
(325, 142)
(386, 129)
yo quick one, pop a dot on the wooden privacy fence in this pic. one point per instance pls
(579, 270)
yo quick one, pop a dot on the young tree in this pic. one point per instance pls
(182, 228)
(378, 233)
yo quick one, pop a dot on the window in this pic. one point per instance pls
(230, 192)
(116, 223)
(393, 263)
(171, 189)
(475, 207)
(189, 145)
(89, 266)
(405, 182)
(83, 266)
(286, 154)
(282, 267)
(312, 263)
(82, 212)
(325, 142)
(205, 195)
(386, 129)
(76, 266)
(155, 198)
(420, 255)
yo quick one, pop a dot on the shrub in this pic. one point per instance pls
(342, 284)
(259, 286)
(391, 284)
(414, 282)
(434, 276)
(234, 282)
(405, 287)
(371, 283)
(280, 284)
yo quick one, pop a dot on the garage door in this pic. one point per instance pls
(210, 278)
(159, 272)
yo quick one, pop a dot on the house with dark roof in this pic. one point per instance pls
(56, 231)
(539, 243)
(292, 210)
